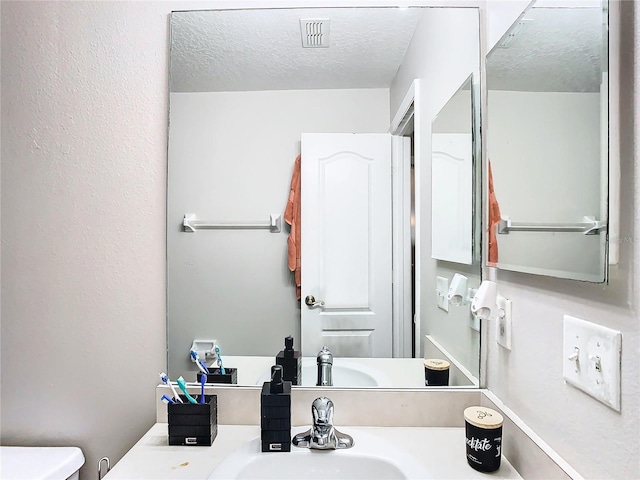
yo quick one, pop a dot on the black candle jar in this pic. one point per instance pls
(483, 428)
(436, 372)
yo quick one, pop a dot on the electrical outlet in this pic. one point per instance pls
(591, 359)
(442, 287)
(503, 323)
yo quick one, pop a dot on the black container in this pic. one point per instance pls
(215, 376)
(275, 413)
(436, 372)
(483, 427)
(291, 362)
(193, 423)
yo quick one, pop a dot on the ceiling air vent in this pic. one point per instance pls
(315, 32)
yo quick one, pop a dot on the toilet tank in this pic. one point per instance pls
(40, 463)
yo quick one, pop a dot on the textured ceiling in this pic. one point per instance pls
(244, 50)
(558, 50)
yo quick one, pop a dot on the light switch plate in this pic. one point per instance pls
(591, 359)
(503, 325)
(442, 288)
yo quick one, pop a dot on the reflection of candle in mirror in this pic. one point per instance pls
(436, 372)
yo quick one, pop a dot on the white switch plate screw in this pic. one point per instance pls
(442, 287)
(596, 367)
(503, 322)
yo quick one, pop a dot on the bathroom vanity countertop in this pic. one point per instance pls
(442, 450)
(400, 373)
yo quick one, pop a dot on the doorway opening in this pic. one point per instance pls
(405, 249)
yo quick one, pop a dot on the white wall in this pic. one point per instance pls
(231, 156)
(84, 115)
(442, 67)
(546, 146)
(597, 441)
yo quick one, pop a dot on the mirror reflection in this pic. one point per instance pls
(547, 116)
(452, 179)
(247, 98)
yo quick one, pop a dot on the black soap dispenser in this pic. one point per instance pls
(275, 413)
(291, 362)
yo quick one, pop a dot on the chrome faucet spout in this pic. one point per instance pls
(323, 435)
(325, 364)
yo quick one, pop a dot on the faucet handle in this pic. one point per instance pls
(325, 356)
(322, 411)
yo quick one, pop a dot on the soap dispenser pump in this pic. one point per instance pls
(291, 362)
(275, 413)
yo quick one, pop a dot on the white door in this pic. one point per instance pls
(451, 197)
(346, 244)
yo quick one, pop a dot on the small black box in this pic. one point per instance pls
(230, 376)
(275, 436)
(291, 367)
(291, 362)
(268, 423)
(276, 440)
(193, 423)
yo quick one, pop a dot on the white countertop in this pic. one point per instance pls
(442, 450)
(393, 372)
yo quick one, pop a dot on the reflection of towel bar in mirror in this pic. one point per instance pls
(589, 226)
(191, 224)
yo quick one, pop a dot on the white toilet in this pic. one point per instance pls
(40, 463)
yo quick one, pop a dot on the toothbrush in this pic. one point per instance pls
(201, 365)
(203, 380)
(220, 360)
(167, 399)
(183, 387)
(165, 379)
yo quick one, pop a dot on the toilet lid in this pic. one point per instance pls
(39, 463)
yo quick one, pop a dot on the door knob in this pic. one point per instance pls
(310, 300)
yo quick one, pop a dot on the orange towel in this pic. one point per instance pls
(494, 219)
(292, 217)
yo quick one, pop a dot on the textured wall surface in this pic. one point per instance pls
(529, 378)
(84, 109)
(442, 68)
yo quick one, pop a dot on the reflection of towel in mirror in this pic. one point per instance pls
(292, 217)
(494, 219)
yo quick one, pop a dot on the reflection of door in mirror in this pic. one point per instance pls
(346, 254)
(452, 179)
(548, 142)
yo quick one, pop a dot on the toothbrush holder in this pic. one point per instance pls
(193, 423)
(230, 376)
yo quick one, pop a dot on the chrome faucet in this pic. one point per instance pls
(325, 363)
(323, 435)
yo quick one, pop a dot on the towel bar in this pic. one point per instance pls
(589, 226)
(191, 224)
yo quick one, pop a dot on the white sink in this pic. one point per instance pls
(372, 457)
(345, 373)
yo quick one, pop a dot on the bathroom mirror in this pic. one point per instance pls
(547, 130)
(243, 91)
(453, 161)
